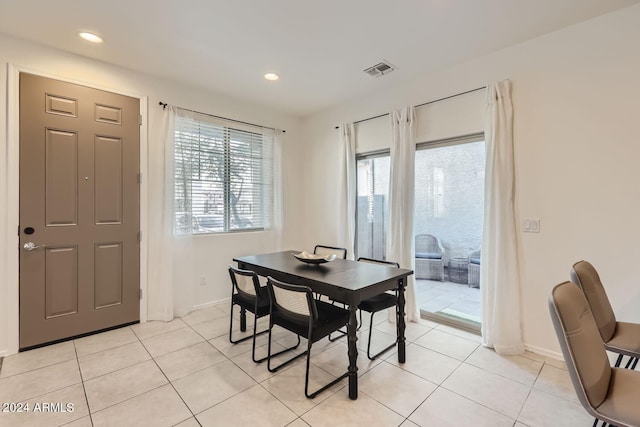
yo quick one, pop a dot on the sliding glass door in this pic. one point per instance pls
(449, 194)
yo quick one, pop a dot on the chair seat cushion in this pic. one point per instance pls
(378, 303)
(428, 255)
(474, 261)
(621, 403)
(330, 319)
(248, 303)
(626, 339)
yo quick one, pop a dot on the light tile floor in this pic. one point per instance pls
(186, 373)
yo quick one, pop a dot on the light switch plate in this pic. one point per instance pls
(531, 225)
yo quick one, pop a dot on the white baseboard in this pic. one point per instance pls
(544, 352)
(211, 303)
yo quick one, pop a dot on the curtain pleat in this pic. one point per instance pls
(400, 234)
(499, 275)
(160, 220)
(347, 189)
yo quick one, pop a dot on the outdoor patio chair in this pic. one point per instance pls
(474, 269)
(619, 337)
(294, 308)
(609, 394)
(249, 295)
(430, 258)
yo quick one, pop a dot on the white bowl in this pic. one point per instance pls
(305, 256)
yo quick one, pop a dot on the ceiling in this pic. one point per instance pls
(319, 49)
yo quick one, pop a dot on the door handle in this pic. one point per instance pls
(29, 246)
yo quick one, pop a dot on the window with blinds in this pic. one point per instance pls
(223, 177)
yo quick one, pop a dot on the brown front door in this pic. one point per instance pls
(79, 210)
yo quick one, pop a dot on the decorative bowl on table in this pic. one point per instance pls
(308, 258)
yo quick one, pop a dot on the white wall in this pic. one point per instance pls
(206, 256)
(577, 148)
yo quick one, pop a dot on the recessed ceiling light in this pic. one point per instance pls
(271, 76)
(91, 37)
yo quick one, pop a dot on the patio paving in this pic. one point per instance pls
(454, 300)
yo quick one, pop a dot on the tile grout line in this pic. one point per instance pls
(84, 390)
(229, 359)
(524, 403)
(169, 381)
(118, 370)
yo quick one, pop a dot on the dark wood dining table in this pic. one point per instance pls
(345, 281)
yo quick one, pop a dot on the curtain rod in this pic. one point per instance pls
(164, 106)
(423, 104)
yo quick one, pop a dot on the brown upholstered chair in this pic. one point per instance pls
(619, 337)
(609, 394)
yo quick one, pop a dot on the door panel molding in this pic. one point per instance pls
(61, 281)
(61, 184)
(108, 180)
(61, 105)
(108, 281)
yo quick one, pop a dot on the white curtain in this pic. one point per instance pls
(499, 276)
(400, 234)
(165, 298)
(272, 157)
(347, 189)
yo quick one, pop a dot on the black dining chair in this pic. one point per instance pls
(378, 303)
(294, 308)
(249, 295)
(339, 253)
(330, 250)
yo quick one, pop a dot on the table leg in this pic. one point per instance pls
(352, 327)
(401, 323)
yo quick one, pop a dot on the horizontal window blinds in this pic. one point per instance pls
(223, 177)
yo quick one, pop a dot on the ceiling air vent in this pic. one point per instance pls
(380, 69)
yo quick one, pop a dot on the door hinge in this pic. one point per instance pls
(140, 119)
(140, 293)
(139, 236)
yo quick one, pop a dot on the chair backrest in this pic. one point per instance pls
(586, 277)
(475, 255)
(378, 261)
(244, 282)
(294, 302)
(581, 344)
(428, 244)
(330, 250)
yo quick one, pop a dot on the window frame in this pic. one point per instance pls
(224, 145)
